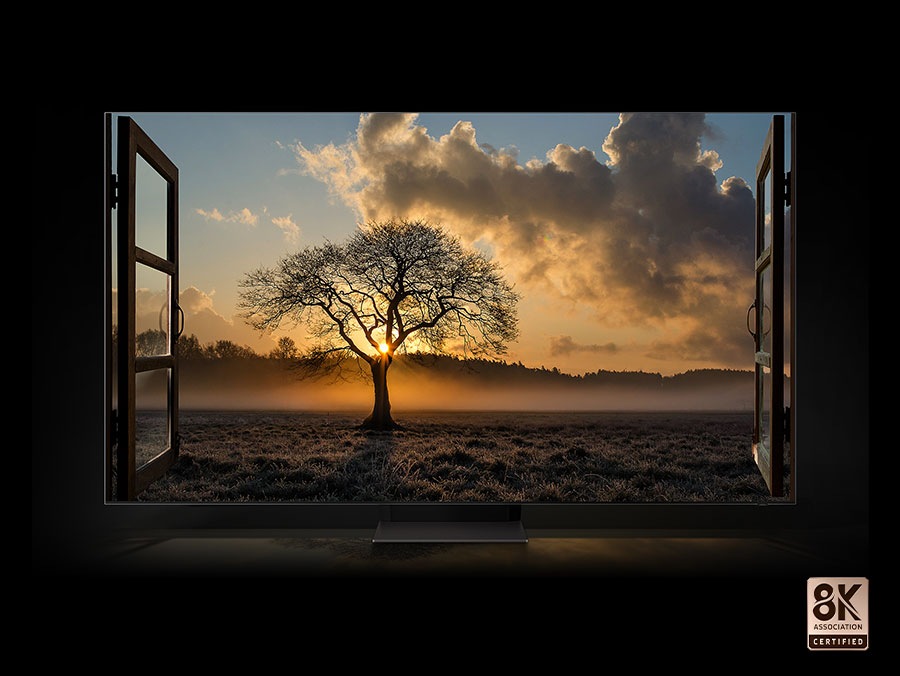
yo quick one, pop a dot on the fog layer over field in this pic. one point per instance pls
(447, 384)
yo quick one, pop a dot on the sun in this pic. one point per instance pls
(383, 347)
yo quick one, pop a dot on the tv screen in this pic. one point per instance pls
(474, 308)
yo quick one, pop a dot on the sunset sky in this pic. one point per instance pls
(629, 237)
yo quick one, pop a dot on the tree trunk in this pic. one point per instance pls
(380, 419)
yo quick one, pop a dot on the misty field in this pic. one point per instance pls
(461, 457)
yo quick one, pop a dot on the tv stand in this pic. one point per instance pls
(451, 523)
(450, 531)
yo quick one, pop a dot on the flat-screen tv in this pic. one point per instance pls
(402, 317)
(464, 309)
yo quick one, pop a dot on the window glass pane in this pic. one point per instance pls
(787, 302)
(765, 409)
(765, 316)
(767, 210)
(150, 196)
(151, 415)
(151, 303)
(114, 302)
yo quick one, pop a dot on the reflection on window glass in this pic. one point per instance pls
(114, 302)
(150, 195)
(151, 302)
(151, 416)
(114, 270)
(765, 315)
(765, 407)
(767, 210)
(787, 302)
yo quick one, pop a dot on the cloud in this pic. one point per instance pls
(202, 318)
(650, 238)
(194, 301)
(290, 229)
(213, 215)
(565, 345)
(244, 216)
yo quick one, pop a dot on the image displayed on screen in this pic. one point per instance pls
(452, 307)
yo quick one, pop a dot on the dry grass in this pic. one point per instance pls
(460, 457)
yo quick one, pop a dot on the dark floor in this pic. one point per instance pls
(675, 593)
(547, 553)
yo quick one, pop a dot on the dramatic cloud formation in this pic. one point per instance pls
(649, 239)
(244, 216)
(290, 229)
(565, 345)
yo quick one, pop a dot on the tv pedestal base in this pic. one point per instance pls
(450, 531)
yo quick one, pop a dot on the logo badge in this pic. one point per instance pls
(837, 616)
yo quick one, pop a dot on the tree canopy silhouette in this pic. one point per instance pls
(390, 285)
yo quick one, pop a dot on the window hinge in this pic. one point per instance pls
(113, 190)
(787, 189)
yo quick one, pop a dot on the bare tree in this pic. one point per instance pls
(285, 350)
(228, 349)
(189, 347)
(151, 342)
(392, 284)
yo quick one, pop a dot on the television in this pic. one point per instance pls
(609, 372)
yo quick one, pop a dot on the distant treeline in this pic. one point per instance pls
(153, 342)
(497, 369)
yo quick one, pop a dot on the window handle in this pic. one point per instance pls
(749, 310)
(180, 312)
(162, 317)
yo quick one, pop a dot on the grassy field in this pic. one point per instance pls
(498, 457)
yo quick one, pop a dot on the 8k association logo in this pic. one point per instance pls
(838, 613)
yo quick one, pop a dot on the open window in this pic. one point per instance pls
(143, 251)
(770, 315)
